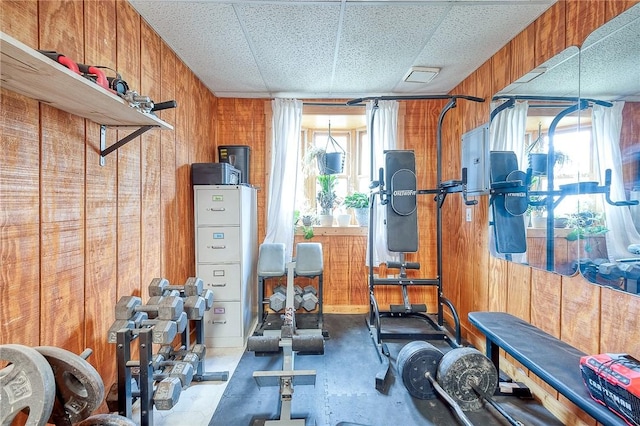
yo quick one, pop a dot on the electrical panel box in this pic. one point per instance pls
(475, 158)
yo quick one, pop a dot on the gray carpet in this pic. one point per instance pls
(345, 389)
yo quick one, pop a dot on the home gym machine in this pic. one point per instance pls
(288, 338)
(396, 189)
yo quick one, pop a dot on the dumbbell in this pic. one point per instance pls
(196, 298)
(309, 298)
(134, 322)
(164, 330)
(192, 356)
(168, 308)
(182, 370)
(278, 299)
(163, 368)
(167, 393)
(193, 286)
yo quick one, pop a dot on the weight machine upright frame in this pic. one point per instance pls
(440, 332)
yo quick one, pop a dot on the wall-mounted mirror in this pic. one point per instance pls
(608, 228)
(554, 134)
(532, 122)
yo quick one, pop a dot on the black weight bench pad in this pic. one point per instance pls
(553, 360)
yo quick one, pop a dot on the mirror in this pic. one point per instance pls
(610, 71)
(553, 204)
(526, 116)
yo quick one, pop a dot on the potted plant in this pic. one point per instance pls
(587, 226)
(305, 222)
(327, 198)
(359, 202)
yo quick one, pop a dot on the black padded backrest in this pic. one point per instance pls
(509, 230)
(402, 217)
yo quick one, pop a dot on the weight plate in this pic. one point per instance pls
(462, 368)
(79, 387)
(107, 420)
(27, 383)
(414, 361)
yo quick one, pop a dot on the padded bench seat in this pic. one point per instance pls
(549, 358)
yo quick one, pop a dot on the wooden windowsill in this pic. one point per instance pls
(336, 230)
(542, 232)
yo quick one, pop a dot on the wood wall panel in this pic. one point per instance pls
(546, 292)
(551, 33)
(128, 159)
(183, 193)
(580, 314)
(150, 163)
(523, 55)
(100, 202)
(20, 221)
(19, 194)
(62, 192)
(169, 206)
(620, 321)
(581, 18)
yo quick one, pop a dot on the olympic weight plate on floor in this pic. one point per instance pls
(463, 369)
(26, 384)
(79, 387)
(414, 361)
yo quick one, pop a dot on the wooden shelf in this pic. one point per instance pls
(30, 73)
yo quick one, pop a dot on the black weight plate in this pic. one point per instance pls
(78, 385)
(414, 361)
(462, 368)
(516, 203)
(27, 383)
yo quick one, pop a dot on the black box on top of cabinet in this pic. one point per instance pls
(214, 174)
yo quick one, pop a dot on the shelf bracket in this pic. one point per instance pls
(104, 151)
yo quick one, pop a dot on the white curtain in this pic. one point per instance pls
(508, 130)
(385, 136)
(286, 127)
(606, 126)
(507, 133)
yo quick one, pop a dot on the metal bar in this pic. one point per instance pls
(414, 97)
(123, 354)
(146, 376)
(579, 106)
(126, 139)
(571, 99)
(329, 104)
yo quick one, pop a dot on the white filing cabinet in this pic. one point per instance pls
(226, 258)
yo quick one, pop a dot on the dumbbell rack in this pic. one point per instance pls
(145, 383)
(144, 336)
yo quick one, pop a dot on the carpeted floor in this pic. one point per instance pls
(345, 389)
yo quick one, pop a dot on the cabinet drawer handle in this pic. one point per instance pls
(220, 322)
(215, 209)
(218, 285)
(217, 247)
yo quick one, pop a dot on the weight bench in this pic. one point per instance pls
(552, 360)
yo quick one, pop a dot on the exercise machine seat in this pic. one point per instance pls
(271, 260)
(309, 262)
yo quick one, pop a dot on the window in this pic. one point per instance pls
(574, 163)
(350, 132)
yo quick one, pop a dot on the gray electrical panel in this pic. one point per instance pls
(475, 158)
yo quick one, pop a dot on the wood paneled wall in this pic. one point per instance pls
(75, 236)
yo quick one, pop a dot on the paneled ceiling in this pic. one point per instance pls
(334, 49)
